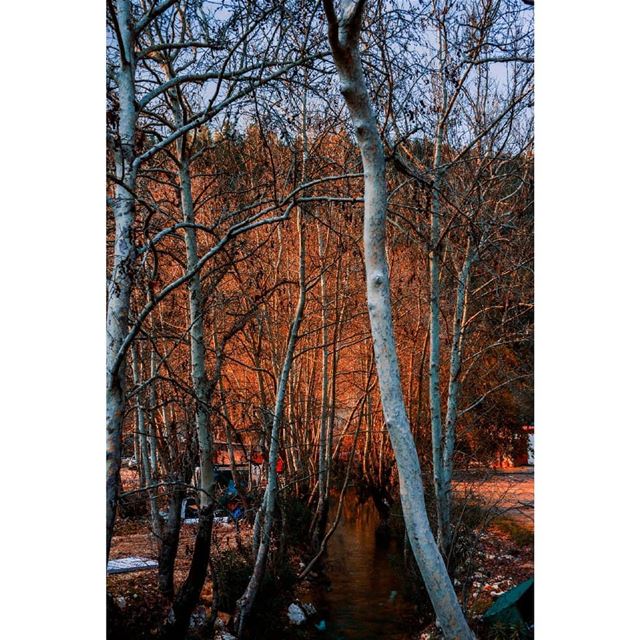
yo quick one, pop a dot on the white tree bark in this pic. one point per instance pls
(344, 32)
(452, 396)
(434, 345)
(124, 253)
(322, 507)
(151, 431)
(262, 532)
(434, 309)
(144, 454)
(128, 32)
(201, 384)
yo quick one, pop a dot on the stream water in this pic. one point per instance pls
(365, 600)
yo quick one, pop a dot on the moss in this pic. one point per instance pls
(522, 536)
(506, 632)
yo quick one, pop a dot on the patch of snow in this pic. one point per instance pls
(296, 614)
(132, 563)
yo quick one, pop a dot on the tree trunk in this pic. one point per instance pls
(151, 430)
(120, 282)
(230, 449)
(169, 543)
(144, 464)
(246, 601)
(320, 516)
(189, 594)
(452, 396)
(344, 33)
(434, 347)
(201, 384)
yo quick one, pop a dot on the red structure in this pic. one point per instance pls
(521, 453)
(222, 458)
(258, 459)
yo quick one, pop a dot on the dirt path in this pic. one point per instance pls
(510, 492)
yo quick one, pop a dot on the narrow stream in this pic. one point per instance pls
(365, 600)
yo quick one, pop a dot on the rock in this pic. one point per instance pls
(309, 609)
(224, 618)
(220, 627)
(296, 614)
(198, 617)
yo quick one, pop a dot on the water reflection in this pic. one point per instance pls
(366, 599)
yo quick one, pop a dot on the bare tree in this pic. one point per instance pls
(344, 33)
(265, 518)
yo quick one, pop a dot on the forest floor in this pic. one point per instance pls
(501, 553)
(500, 557)
(136, 593)
(508, 493)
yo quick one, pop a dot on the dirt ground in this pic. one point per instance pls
(504, 553)
(507, 492)
(136, 593)
(502, 557)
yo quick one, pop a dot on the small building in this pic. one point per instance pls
(222, 456)
(530, 443)
(252, 469)
(520, 453)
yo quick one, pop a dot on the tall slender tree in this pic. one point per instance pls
(345, 24)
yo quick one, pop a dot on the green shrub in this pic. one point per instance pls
(232, 574)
